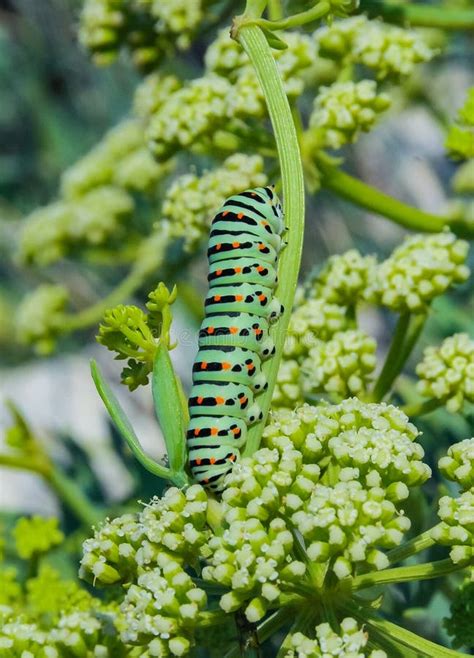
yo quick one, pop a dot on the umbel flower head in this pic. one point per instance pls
(336, 476)
(40, 317)
(36, 535)
(342, 366)
(344, 279)
(344, 110)
(388, 50)
(350, 642)
(420, 269)
(457, 526)
(458, 464)
(447, 372)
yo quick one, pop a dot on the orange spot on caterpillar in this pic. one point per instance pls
(260, 268)
(217, 298)
(203, 365)
(240, 215)
(220, 400)
(200, 400)
(226, 212)
(258, 331)
(210, 330)
(236, 245)
(197, 431)
(239, 298)
(206, 480)
(243, 400)
(226, 365)
(264, 223)
(198, 461)
(250, 366)
(218, 272)
(233, 330)
(261, 246)
(232, 458)
(212, 460)
(218, 246)
(262, 298)
(214, 431)
(236, 430)
(237, 270)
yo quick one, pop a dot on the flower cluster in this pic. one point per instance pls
(36, 535)
(371, 457)
(420, 269)
(447, 372)
(343, 279)
(40, 317)
(344, 110)
(350, 642)
(174, 525)
(342, 366)
(458, 463)
(161, 610)
(191, 200)
(313, 320)
(390, 51)
(457, 526)
(149, 29)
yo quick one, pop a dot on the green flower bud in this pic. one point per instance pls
(344, 110)
(191, 200)
(419, 270)
(457, 526)
(344, 279)
(152, 92)
(189, 114)
(310, 322)
(40, 317)
(36, 535)
(460, 140)
(458, 464)
(287, 392)
(342, 366)
(447, 372)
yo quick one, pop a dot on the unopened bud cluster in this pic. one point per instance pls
(447, 372)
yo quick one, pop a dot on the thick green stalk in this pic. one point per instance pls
(420, 15)
(366, 196)
(258, 50)
(424, 571)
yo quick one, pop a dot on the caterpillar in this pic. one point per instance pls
(244, 243)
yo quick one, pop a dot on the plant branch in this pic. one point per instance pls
(420, 15)
(407, 332)
(258, 50)
(366, 196)
(315, 13)
(412, 547)
(423, 408)
(424, 571)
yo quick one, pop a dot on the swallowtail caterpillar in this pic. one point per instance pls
(244, 244)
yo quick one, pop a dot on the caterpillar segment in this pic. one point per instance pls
(244, 243)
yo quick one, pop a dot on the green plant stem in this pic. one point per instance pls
(315, 13)
(424, 571)
(407, 332)
(275, 10)
(412, 547)
(387, 374)
(258, 50)
(65, 488)
(366, 196)
(423, 408)
(72, 496)
(420, 15)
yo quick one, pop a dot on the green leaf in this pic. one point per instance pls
(124, 426)
(273, 40)
(169, 406)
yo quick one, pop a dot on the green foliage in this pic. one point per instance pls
(460, 139)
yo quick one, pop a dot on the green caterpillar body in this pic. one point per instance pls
(243, 249)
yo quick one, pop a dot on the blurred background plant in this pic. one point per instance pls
(124, 126)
